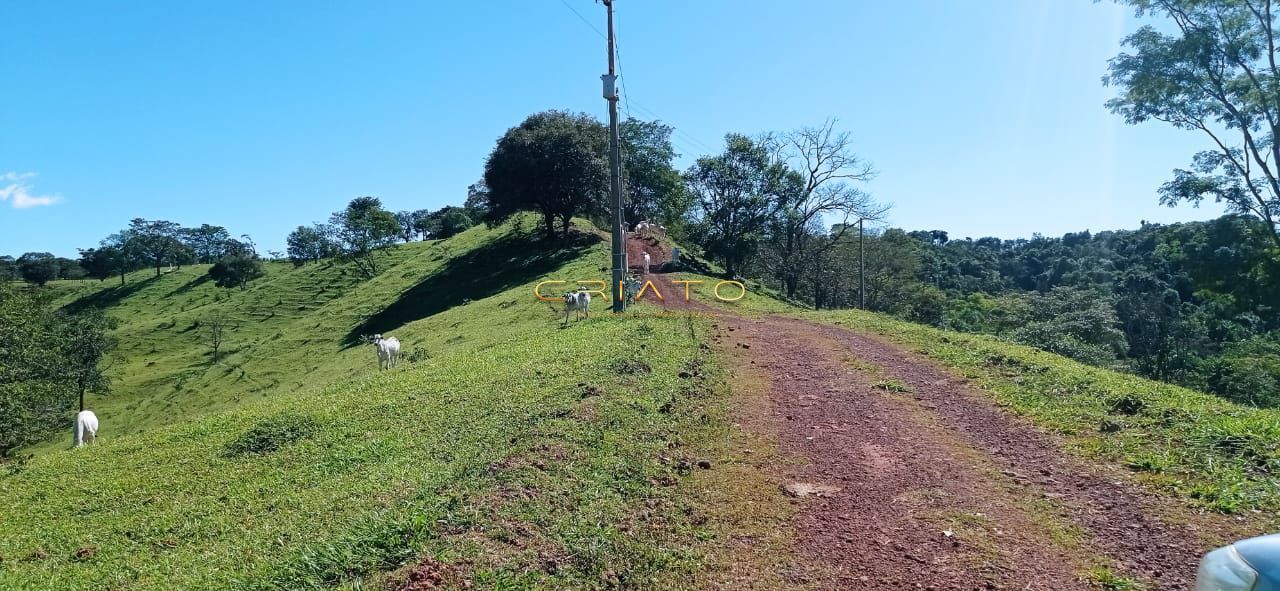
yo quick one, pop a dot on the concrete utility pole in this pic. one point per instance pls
(615, 176)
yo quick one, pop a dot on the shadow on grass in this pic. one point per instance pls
(514, 259)
(107, 297)
(190, 285)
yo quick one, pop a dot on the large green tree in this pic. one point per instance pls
(407, 221)
(310, 243)
(654, 189)
(85, 341)
(158, 243)
(38, 268)
(362, 229)
(208, 243)
(8, 268)
(1217, 74)
(236, 270)
(100, 263)
(47, 358)
(552, 163)
(477, 202)
(735, 193)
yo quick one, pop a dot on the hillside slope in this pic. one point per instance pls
(300, 328)
(518, 455)
(686, 445)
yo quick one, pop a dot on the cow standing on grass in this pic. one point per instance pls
(86, 428)
(578, 302)
(388, 351)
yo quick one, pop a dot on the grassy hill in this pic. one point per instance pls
(299, 328)
(513, 454)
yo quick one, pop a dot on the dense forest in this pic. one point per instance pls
(1196, 303)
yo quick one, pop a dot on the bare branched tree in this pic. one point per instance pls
(824, 192)
(215, 327)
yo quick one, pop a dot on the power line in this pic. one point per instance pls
(626, 94)
(583, 18)
(622, 81)
(676, 130)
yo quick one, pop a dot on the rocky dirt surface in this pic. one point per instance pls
(891, 497)
(907, 477)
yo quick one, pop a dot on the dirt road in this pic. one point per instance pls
(906, 477)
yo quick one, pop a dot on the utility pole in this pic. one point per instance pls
(615, 175)
(862, 264)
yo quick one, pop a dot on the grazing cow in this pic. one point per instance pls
(86, 428)
(578, 302)
(388, 351)
(642, 226)
(646, 263)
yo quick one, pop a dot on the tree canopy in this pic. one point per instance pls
(735, 192)
(654, 189)
(38, 268)
(1216, 74)
(552, 163)
(49, 359)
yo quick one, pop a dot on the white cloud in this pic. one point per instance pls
(15, 187)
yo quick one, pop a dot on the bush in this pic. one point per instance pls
(271, 434)
(1248, 372)
(1075, 323)
(236, 270)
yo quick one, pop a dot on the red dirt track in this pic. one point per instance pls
(929, 485)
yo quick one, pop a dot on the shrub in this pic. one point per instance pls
(1248, 372)
(271, 434)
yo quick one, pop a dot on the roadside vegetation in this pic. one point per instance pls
(1218, 454)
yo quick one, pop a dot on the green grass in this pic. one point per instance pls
(1103, 578)
(517, 453)
(889, 385)
(297, 328)
(1220, 455)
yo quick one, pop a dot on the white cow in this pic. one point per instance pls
(578, 302)
(646, 263)
(86, 428)
(388, 351)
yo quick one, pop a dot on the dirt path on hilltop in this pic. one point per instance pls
(906, 477)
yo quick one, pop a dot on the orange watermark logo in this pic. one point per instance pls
(728, 286)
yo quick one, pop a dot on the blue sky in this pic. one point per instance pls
(982, 118)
